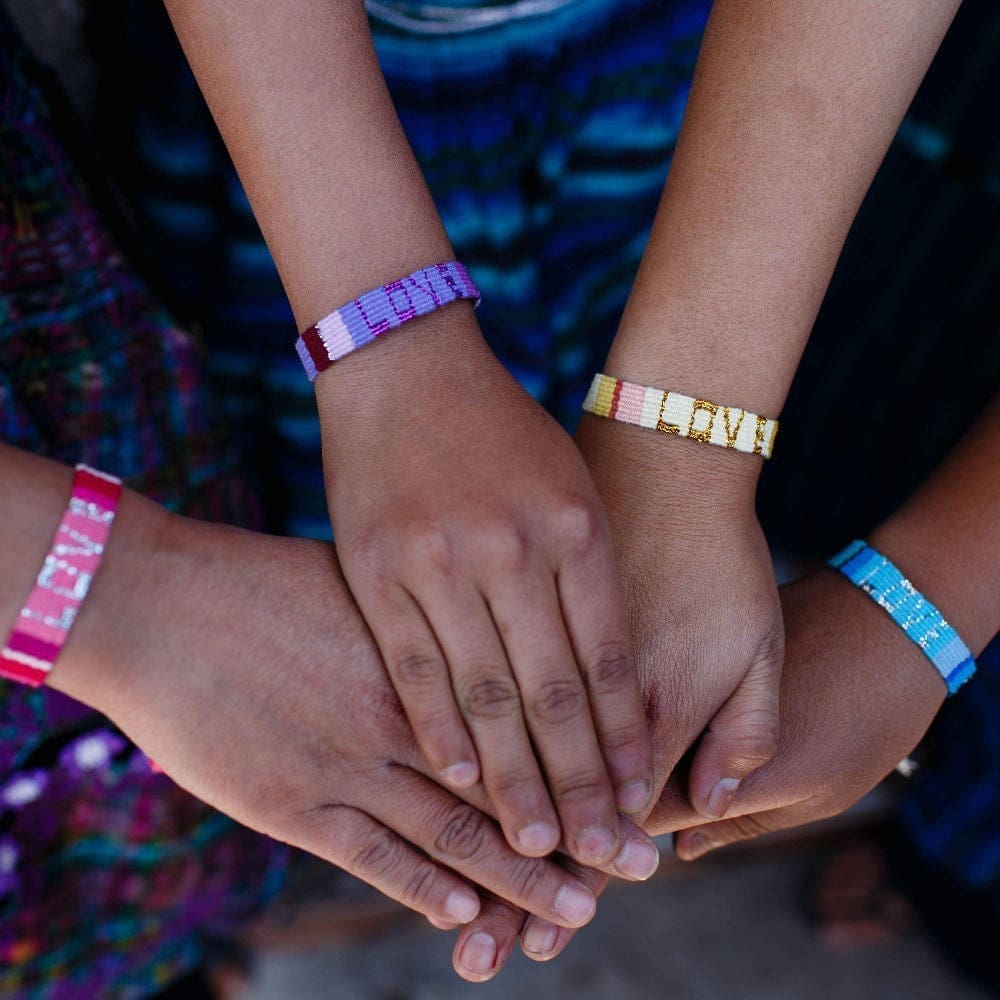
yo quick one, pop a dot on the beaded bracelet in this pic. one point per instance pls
(65, 577)
(675, 413)
(372, 314)
(923, 624)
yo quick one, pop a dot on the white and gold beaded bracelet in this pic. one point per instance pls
(675, 413)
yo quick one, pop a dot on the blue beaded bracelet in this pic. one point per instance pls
(871, 572)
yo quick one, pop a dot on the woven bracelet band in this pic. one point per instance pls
(675, 413)
(372, 314)
(41, 628)
(923, 624)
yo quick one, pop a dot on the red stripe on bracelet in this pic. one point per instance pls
(17, 671)
(105, 489)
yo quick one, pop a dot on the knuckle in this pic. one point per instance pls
(371, 550)
(578, 524)
(378, 855)
(430, 545)
(585, 786)
(416, 667)
(611, 668)
(748, 827)
(510, 785)
(505, 544)
(528, 877)
(489, 698)
(463, 834)
(557, 702)
(420, 888)
(625, 738)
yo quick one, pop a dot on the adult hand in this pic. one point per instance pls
(475, 544)
(241, 664)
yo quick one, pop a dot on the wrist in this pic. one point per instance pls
(652, 474)
(110, 632)
(391, 369)
(947, 569)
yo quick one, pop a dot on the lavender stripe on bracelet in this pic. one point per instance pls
(370, 315)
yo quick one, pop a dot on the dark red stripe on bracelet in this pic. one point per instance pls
(316, 348)
(96, 484)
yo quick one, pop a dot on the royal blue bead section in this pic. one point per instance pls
(909, 609)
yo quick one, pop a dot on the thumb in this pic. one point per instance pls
(742, 736)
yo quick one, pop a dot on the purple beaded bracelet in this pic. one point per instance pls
(366, 317)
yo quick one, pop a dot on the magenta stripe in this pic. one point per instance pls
(21, 642)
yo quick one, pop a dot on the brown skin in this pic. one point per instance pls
(471, 534)
(857, 695)
(793, 105)
(208, 645)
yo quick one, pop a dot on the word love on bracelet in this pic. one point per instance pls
(675, 413)
(372, 314)
(871, 572)
(62, 584)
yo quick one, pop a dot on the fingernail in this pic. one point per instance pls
(539, 937)
(479, 953)
(695, 846)
(633, 796)
(538, 837)
(462, 906)
(637, 859)
(722, 797)
(575, 904)
(595, 845)
(461, 775)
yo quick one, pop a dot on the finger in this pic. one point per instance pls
(594, 611)
(741, 737)
(360, 844)
(419, 674)
(637, 859)
(490, 702)
(529, 618)
(483, 947)
(461, 837)
(697, 841)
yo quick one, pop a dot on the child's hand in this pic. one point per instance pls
(476, 546)
(702, 598)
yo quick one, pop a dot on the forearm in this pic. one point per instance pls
(946, 538)
(301, 103)
(793, 106)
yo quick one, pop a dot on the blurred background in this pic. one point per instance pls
(899, 897)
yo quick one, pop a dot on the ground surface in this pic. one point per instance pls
(731, 931)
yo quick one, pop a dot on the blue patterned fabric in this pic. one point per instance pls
(545, 141)
(951, 812)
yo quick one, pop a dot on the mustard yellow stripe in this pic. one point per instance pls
(605, 395)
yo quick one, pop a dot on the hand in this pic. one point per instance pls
(240, 663)
(701, 595)
(707, 621)
(856, 695)
(474, 541)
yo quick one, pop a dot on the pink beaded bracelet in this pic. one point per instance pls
(77, 548)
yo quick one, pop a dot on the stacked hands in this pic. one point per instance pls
(479, 701)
